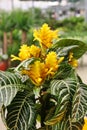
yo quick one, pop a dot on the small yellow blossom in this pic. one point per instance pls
(45, 36)
(85, 124)
(36, 72)
(35, 51)
(24, 53)
(52, 63)
(72, 60)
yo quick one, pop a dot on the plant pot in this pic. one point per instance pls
(3, 65)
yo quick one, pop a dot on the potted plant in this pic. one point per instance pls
(45, 87)
(3, 62)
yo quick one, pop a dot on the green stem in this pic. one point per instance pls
(47, 127)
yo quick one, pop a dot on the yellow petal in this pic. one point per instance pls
(85, 124)
(13, 57)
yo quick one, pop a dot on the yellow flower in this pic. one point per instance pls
(45, 36)
(23, 54)
(72, 60)
(27, 52)
(85, 124)
(52, 63)
(36, 72)
(35, 51)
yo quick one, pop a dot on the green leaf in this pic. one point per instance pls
(9, 86)
(68, 83)
(79, 103)
(67, 125)
(65, 70)
(21, 112)
(25, 64)
(78, 51)
(61, 89)
(63, 51)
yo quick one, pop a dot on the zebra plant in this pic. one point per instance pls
(44, 92)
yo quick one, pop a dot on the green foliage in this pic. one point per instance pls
(71, 22)
(13, 49)
(7, 22)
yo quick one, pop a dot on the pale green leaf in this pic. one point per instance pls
(9, 86)
(79, 103)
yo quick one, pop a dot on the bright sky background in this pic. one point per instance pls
(7, 5)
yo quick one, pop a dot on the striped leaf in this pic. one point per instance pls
(21, 112)
(57, 85)
(9, 86)
(25, 64)
(67, 125)
(65, 70)
(61, 89)
(79, 106)
(77, 47)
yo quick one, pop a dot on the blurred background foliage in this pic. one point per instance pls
(18, 26)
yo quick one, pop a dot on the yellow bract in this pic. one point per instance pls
(24, 52)
(36, 72)
(51, 62)
(35, 51)
(45, 36)
(72, 60)
(85, 124)
(27, 52)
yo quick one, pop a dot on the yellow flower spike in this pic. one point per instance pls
(24, 52)
(72, 60)
(35, 51)
(51, 61)
(45, 36)
(85, 124)
(36, 73)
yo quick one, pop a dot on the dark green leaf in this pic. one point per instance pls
(67, 125)
(21, 112)
(78, 51)
(65, 70)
